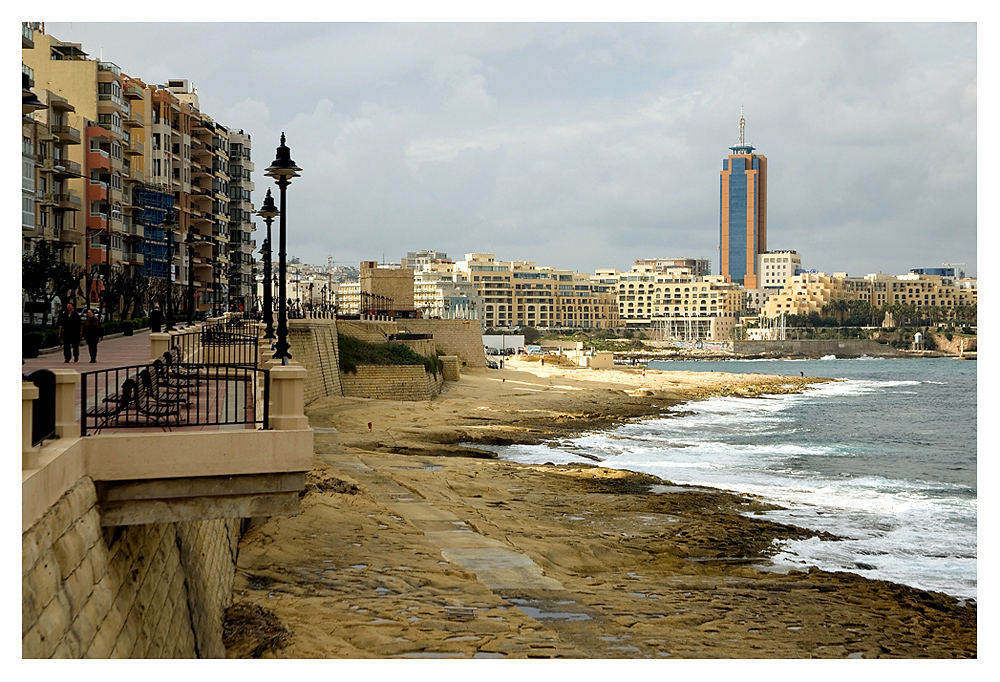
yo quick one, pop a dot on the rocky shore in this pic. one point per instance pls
(412, 541)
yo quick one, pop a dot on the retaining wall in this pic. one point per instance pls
(392, 382)
(313, 343)
(463, 338)
(147, 591)
(816, 348)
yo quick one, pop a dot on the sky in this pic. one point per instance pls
(589, 145)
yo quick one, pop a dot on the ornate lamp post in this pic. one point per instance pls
(282, 169)
(190, 244)
(168, 306)
(268, 211)
(216, 264)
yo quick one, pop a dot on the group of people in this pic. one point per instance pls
(73, 328)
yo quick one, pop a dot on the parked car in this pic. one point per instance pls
(492, 364)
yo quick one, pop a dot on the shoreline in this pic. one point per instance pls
(407, 521)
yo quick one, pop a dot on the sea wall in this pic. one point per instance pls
(958, 344)
(463, 338)
(815, 348)
(145, 591)
(313, 343)
(392, 382)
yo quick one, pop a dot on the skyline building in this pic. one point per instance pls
(742, 212)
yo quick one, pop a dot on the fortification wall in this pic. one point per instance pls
(816, 348)
(392, 382)
(369, 331)
(150, 591)
(463, 338)
(313, 343)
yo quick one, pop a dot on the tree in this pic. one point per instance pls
(531, 335)
(44, 277)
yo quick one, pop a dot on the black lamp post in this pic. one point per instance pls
(268, 211)
(216, 264)
(282, 169)
(168, 225)
(190, 244)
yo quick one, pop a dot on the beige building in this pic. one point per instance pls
(812, 292)
(675, 304)
(440, 291)
(519, 293)
(386, 289)
(775, 267)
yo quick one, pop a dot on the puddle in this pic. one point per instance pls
(431, 654)
(464, 638)
(433, 468)
(489, 654)
(656, 489)
(379, 621)
(382, 590)
(539, 614)
(358, 567)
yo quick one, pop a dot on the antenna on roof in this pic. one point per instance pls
(743, 125)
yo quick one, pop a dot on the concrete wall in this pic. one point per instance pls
(463, 338)
(814, 348)
(313, 344)
(150, 591)
(392, 382)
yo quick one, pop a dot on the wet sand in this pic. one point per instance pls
(412, 542)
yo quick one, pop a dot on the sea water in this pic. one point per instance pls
(884, 459)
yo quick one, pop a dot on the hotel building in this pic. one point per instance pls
(743, 213)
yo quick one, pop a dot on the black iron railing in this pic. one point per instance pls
(169, 395)
(231, 343)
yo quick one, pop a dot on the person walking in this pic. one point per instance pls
(93, 333)
(69, 324)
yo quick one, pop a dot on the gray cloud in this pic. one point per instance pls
(589, 145)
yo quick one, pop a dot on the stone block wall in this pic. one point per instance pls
(313, 344)
(370, 332)
(392, 382)
(463, 338)
(452, 367)
(151, 591)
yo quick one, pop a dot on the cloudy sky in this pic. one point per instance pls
(588, 145)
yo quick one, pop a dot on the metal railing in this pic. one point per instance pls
(232, 342)
(168, 395)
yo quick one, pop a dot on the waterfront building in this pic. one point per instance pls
(520, 293)
(118, 147)
(415, 259)
(809, 292)
(442, 292)
(674, 303)
(699, 267)
(242, 261)
(743, 212)
(774, 267)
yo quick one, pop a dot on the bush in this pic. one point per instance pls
(354, 352)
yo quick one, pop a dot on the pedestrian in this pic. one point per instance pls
(69, 324)
(156, 319)
(93, 333)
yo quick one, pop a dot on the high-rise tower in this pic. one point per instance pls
(743, 212)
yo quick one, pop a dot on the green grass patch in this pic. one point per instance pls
(354, 352)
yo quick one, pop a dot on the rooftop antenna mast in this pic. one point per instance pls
(743, 125)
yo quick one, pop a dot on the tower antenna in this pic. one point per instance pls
(743, 124)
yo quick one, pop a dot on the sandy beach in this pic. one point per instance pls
(413, 542)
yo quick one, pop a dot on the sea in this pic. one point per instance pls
(884, 459)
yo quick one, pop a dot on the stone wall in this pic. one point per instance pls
(956, 345)
(816, 348)
(463, 338)
(370, 332)
(452, 367)
(151, 591)
(313, 343)
(392, 382)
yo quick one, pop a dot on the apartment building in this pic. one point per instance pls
(674, 303)
(123, 154)
(242, 264)
(442, 292)
(774, 267)
(519, 293)
(812, 292)
(416, 259)
(699, 267)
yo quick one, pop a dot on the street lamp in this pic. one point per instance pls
(168, 225)
(268, 211)
(282, 169)
(190, 244)
(216, 264)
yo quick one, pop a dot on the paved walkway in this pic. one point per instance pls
(116, 352)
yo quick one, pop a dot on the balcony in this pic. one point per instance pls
(65, 134)
(132, 91)
(133, 121)
(132, 148)
(68, 235)
(60, 103)
(67, 202)
(66, 168)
